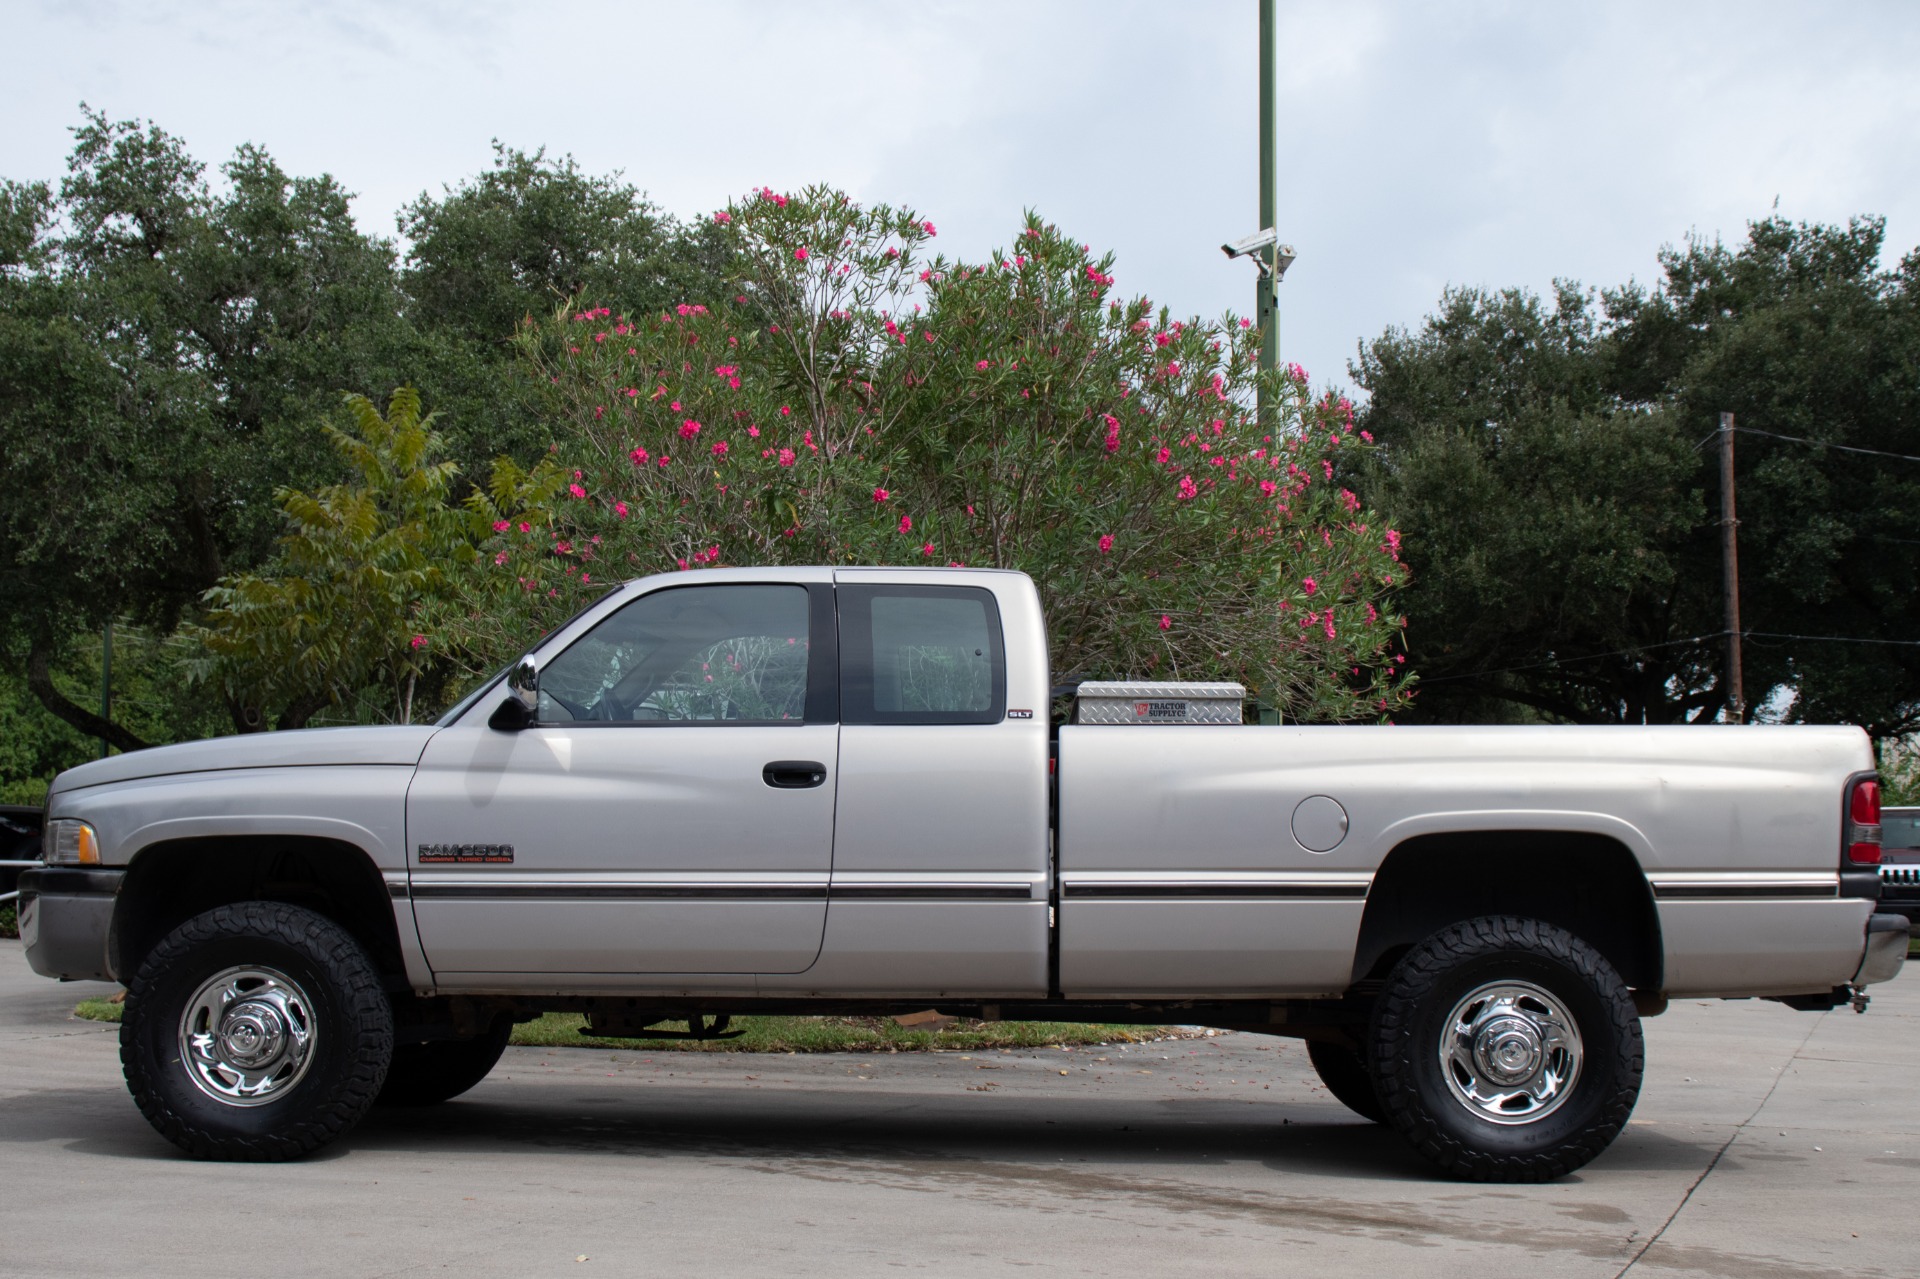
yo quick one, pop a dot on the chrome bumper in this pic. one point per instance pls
(1886, 950)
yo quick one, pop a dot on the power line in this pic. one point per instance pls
(1830, 639)
(1800, 439)
(1646, 648)
(1844, 448)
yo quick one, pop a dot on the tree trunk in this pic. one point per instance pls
(40, 680)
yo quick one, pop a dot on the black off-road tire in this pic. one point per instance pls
(1344, 1071)
(1405, 1036)
(352, 1044)
(430, 1073)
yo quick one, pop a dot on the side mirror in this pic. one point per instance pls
(522, 703)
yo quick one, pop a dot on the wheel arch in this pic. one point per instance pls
(1589, 883)
(171, 881)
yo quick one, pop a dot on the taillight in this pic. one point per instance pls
(1863, 824)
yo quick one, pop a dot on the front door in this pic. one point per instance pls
(670, 812)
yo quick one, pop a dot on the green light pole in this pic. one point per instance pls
(1266, 306)
(1270, 257)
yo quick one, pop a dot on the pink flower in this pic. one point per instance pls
(1161, 339)
(501, 558)
(927, 336)
(417, 642)
(689, 429)
(1166, 623)
(1309, 585)
(501, 526)
(1165, 455)
(1188, 489)
(1106, 543)
(620, 509)
(801, 255)
(576, 490)
(1268, 487)
(906, 523)
(719, 448)
(528, 528)
(639, 456)
(753, 432)
(1245, 323)
(892, 252)
(928, 228)
(785, 411)
(927, 549)
(786, 457)
(984, 365)
(881, 495)
(723, 217)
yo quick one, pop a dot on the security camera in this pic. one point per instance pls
(1255, 244)
(1252, 244)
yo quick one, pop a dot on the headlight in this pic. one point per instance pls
(71, 843)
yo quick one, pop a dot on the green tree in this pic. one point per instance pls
(1555, 470)
(347, 602)
(514, 243)
(167, 356)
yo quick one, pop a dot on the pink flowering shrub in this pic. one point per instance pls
(855, 402)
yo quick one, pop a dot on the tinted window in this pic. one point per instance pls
(921, 655)
(695, 654)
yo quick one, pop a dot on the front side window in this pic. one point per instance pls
(693, 654)
(921, 655)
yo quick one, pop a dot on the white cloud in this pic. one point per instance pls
(1471, 143)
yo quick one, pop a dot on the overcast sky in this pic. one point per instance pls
(1424, 144)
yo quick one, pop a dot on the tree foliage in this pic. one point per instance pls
(859, 402)
(344, 606)
(1555, 471)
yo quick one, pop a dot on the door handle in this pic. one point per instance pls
(794, 774)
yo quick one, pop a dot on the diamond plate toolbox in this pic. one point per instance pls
(1142, 702)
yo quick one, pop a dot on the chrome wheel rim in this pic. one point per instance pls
(247, 1036)
(1510, 1052)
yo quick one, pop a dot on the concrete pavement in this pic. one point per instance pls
(1767, 1144)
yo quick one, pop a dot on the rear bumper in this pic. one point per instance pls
(66, 915)
(1886, 949)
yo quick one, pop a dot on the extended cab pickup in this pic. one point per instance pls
(842, 790)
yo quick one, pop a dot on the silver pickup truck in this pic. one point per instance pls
(843, 791)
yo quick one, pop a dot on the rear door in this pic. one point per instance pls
(671, 812)
(940, 878)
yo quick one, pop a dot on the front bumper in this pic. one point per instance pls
(66, 916)
(1886, 949)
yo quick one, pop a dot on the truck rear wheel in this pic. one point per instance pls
(256, 1031)
(428, 1074)
(1344, 1071)
(1506, 1049)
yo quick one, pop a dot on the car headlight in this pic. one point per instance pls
(71, 843)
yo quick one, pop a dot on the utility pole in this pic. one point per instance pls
(1730, 568)
(106, 680)
(1266, 303)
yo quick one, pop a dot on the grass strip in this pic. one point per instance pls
(807, 1034)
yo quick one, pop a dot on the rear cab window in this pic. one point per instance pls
(921, 655)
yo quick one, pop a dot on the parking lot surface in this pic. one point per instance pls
(1767, 1144)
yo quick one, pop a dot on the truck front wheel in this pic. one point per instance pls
(256, 1031)
(1506, 1049)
